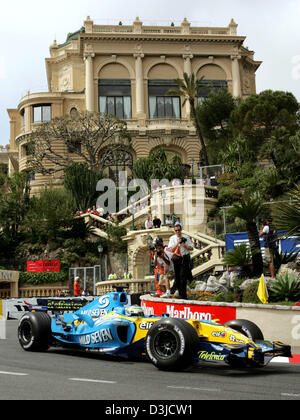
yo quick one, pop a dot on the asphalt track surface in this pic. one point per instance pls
(63, 375)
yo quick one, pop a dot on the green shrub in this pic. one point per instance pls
(240, 256)
(286, 287)
(230, 296)
(250, 293)
(284, 258)
(43, 278)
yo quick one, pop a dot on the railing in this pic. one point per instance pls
(167, 121)
(134, 286)
(174, 30)
(209, 255)
(44, 290)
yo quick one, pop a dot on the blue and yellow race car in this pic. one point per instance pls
(110, 325)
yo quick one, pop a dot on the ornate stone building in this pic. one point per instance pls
(127, 71)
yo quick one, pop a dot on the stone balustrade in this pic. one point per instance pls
(43, 290)
(134, 286)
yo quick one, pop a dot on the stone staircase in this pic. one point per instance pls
(208, 252)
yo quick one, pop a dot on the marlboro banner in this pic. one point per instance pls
(220, 314)
(43, 266)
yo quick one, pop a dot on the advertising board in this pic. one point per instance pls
(41, 266)
(219, 314)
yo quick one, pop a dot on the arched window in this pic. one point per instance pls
(214, 79)
(114, 161)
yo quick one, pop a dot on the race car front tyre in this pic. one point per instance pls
(248, 328)
(172, 344)
(34, 331)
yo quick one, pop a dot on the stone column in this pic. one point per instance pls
(89, 82)
(187, 68)
(236, 77)
(140, 99)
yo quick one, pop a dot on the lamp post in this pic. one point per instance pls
(192, 163)
(150, 245)
(163, 197)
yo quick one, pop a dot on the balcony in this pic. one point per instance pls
(160, 124)
(183, 28)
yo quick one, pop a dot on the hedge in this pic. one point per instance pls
(43, 278)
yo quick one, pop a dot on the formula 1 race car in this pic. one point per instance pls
(109, 325)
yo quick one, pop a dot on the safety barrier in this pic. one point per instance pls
(277, 322)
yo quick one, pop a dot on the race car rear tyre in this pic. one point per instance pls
(248, 328)
(172, 344)
(34, 331)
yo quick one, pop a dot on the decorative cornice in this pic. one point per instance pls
(159, 38)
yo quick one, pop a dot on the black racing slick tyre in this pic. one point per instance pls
(248, 328)
(34, 331)
(172, 344)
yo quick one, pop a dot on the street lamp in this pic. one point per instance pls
(150, 245)
(192, 163)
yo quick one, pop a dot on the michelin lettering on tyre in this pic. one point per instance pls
(149, 350)
(182, 340)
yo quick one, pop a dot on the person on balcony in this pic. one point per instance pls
(156, 222)
(148, 223)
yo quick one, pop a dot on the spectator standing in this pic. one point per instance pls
(179, 222)
(165, 267)
(169, 221)
(156, 222)
(269, 235)
(148, 223)
(77, 290)
(181, 245)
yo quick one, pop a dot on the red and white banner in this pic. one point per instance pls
(43, 266)
(220, 314)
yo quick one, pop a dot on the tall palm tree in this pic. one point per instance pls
(249, 209)
(188, 89)
(286, 216)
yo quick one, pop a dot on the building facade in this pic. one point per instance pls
(127, 71)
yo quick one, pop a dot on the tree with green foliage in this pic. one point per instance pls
(267, 120)
(188, 88)
(157, 166)
(213, 115)
(14, 203)
(89, 136)
(49, 214)
(249, 209)
(81, 182)
(286, 215)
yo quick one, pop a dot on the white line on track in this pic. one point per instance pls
(91, 380)
(285, 394)
(188, 388)
(13, 373)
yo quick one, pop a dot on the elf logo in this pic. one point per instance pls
(146, 325)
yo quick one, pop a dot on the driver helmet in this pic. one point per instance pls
(134, 311)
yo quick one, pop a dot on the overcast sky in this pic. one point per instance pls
(27, 28)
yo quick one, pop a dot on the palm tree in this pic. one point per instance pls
(286, 216)
(188, 89)
(249, 209)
